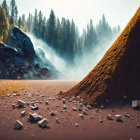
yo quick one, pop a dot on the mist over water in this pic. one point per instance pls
(82, 66)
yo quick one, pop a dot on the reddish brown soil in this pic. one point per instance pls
(118, 73)
(89, 129)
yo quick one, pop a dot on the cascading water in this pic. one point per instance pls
(75, 72)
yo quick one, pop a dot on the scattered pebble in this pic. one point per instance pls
(91, 117)
(34, 117)
(42, 123)
(21, 103)
(80, 105)
(109, 117)
(118, 118)
(52, 113)
(79, 109)
(100, 120)
(18, 125)
(8, 95)
(89, 107)
(27, 103)
(13, 106)
(46, 102)
(35, 107)
(81, 116)
(23, 113)
(127, 115)
(56, 120)
(64, 107)
(74, 108)
(138, 125)
(63, 101)
(14, 94)
(76, 124)
(84, 112)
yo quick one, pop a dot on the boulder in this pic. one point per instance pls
(23, 42)
(20, 61)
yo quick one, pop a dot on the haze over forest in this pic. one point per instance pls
(73, 52)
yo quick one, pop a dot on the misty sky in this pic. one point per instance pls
(118, 12)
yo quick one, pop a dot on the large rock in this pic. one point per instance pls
(21, 60)
(23, 42)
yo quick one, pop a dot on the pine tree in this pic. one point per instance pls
(4, 25)
(20, 25)
(104, 31)
(91, 37)
(51, 29)
(40, 20)
(43, 31)
(30, 23)
(5, 6)
(13, 12)
(23, 20)
(35, 24)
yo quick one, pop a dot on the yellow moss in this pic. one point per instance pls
(12, 86)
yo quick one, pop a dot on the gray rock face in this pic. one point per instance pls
(22, 61)
(23, 42)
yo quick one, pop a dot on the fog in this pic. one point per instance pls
(83, 65)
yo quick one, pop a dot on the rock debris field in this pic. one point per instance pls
(40, 113)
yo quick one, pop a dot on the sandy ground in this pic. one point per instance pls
(90, 128)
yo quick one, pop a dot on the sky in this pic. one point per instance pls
(117, 12)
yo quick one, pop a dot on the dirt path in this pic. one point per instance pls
(90, 127)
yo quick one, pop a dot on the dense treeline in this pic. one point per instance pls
(62, 35)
